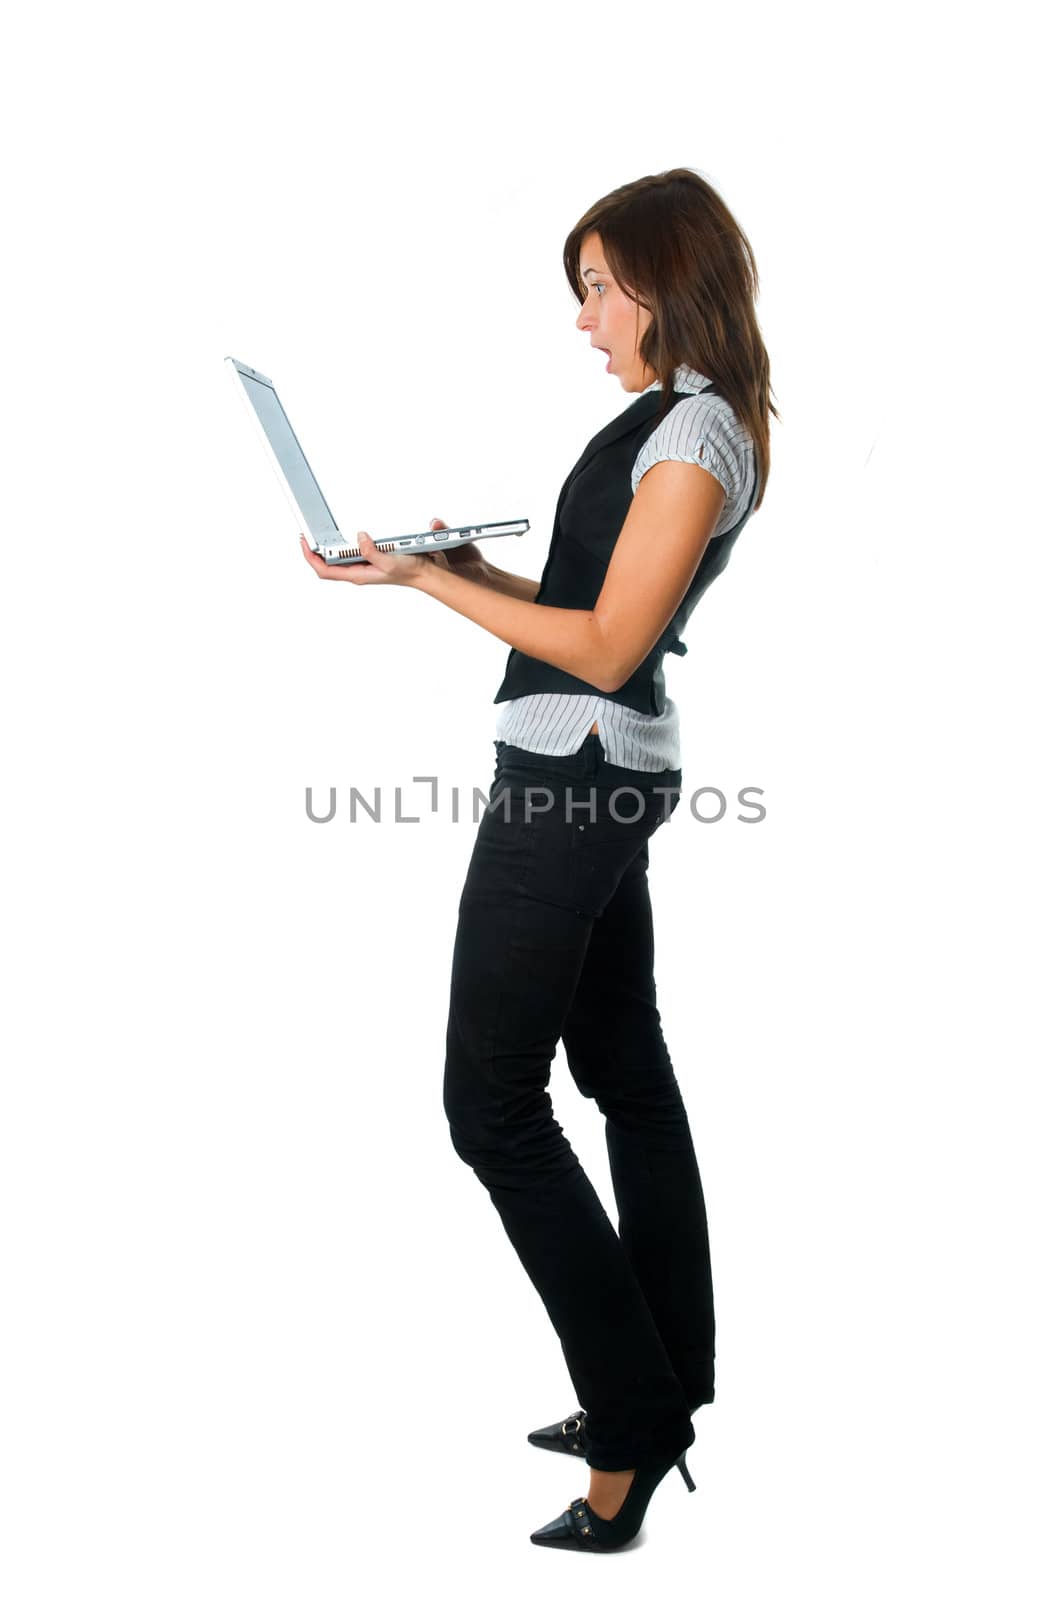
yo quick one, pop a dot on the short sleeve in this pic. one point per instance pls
(703, 429)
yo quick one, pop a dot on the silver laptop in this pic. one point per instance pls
(307, 501)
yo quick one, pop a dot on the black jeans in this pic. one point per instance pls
(555, 941)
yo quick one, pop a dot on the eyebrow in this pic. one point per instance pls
(585, 271)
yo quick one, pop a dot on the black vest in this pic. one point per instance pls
(591, 508)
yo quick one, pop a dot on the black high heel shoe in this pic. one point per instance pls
(566, 1436)
(580, 1528)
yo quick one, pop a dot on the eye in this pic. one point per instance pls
(597, 285)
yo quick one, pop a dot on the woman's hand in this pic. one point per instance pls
(382, 566)
(465, 559)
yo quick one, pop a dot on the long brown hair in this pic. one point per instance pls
(674, 248)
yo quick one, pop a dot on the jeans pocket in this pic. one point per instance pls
(568, 844)
(606, 814)
(582, 846)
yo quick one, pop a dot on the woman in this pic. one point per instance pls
(554, 939)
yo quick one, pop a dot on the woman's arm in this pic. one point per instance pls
(498, 600)
(672, 514)
(468, 561)
(668, 526)
(498, 579)
(566, 638)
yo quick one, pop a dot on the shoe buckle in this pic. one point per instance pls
(575, 1419)
(578, 1506)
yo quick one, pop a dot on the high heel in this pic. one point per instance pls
(580, 1528)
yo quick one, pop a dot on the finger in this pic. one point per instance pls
(368, 549)
(320, 566)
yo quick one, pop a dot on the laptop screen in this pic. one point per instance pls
(285, 446)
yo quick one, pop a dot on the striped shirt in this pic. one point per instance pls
(701, 429)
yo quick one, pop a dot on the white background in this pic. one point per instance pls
(264, 1331)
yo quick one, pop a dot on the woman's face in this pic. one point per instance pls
(614, 322)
